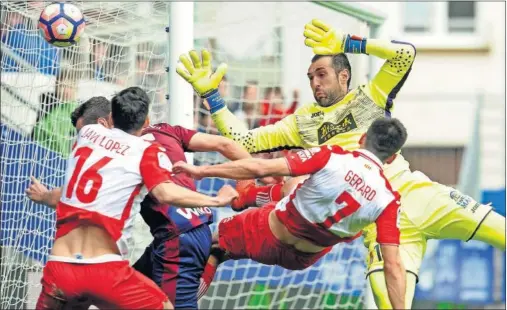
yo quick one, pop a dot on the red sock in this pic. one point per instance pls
(206, 279)
(261, 195)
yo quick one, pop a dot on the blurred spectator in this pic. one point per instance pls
(223, 89)
(273, 107)
(122, 80)
(21, 37)
(203, 120)
(150, 74)
(266, 102)
(249, 105)
(54, 129)
(47, 101)
(99, 56)
(205, 124)
(141, 70)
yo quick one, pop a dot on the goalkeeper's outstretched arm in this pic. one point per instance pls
(197, 72)
(392, 75)
(279, 136)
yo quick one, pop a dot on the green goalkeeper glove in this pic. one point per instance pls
(199, 74)
(325, 40)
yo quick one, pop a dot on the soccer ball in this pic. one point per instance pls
(61, 24)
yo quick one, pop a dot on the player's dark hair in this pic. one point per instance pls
(91, 110)
(130, 108)
(385, 137)
(339, 62)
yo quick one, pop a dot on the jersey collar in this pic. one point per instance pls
(370, 156)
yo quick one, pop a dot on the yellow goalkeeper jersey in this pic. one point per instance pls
(340, 124)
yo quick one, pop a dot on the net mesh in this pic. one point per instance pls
(125, 44)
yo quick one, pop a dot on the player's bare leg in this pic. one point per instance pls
(492, 231)
(379, 289)
(216, 257)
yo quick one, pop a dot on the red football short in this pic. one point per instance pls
(113, 285)
(247, 235)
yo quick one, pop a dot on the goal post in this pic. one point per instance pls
(181, 40)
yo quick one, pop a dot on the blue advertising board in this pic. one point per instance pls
(459, 272)
(462, 272)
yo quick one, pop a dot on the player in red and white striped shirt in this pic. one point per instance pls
(346, 192)
(109, 172)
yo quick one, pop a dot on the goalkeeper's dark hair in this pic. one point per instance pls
(130, 108)
(91, 110)
(385, 137)
(339, 62)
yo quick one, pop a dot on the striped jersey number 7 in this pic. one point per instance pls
(350, 206)
(91, 174)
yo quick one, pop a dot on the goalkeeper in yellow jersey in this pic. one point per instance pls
(340, 116)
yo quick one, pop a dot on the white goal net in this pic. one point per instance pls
(125, 44)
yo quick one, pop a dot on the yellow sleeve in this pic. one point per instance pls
(281, 135)
(399, 56)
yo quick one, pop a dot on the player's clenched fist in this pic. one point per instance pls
(228, 194)
(191, 170)
(323, 39)
(199, 74)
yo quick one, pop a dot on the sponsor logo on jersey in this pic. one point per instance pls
(304, 155)
(329, 130)
(460, 199)
(475, 207)
(316, 114)
(189, 213)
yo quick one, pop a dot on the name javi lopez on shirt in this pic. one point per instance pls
(104, 142)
